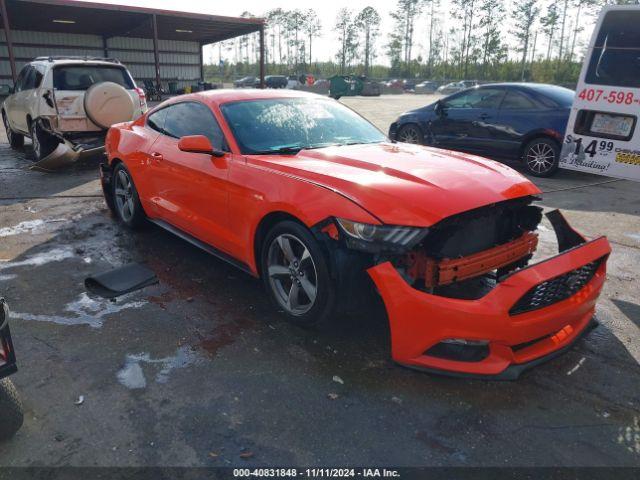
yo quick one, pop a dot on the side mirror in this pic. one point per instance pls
(198, 144)
(439, 108)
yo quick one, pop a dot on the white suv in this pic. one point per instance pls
(66, 105)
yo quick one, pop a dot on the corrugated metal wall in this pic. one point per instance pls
(179, 60)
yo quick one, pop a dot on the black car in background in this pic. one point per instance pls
(276, 81)
(504, 121)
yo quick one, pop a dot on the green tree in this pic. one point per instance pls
(405, 16)
(368, 23)
(347, 36)
(275, 21)
(549, 25)
(491, 17)
(312, 28)
(433, 42)
(525, 14)
(465, 11)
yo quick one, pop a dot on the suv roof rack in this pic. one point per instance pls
(51, 58)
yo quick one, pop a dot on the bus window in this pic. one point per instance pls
(615, 59)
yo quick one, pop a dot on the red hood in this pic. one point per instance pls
(405, 184)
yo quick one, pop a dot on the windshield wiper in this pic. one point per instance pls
(283, 150)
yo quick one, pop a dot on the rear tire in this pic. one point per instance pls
(15, 140)
(410, 134)
(43, 143)
(11, 411)
(541, 157)
(295, 271)
(125, 197)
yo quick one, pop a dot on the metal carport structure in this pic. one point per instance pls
(142, 38)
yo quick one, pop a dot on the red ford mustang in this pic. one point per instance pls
(301, 191)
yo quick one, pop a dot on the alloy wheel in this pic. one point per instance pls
(292, 274)
(124, 195)
(540, 157)
(409, 135)
(37, 148)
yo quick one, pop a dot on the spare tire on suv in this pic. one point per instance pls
(107, 103)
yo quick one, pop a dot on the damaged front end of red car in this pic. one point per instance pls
(462, 297)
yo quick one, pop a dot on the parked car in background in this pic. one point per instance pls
(394, 83)
(322, 83)
(426, 87)
(247, 82)
(67, 104)
(275, 81)
(524, 121)
(409, 85)
(307, 195)
(454, 87)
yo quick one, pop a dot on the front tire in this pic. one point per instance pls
(541, 157)
(11, 411)
(15, 140)
(295, 271)
(125, 198)
(410, 134)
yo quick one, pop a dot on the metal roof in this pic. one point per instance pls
(67, 16)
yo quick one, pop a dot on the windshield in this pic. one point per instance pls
(81, 77)
(615, 59)
(291, 124)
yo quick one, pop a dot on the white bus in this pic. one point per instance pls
(603, 135)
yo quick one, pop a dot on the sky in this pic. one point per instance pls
(325, 47)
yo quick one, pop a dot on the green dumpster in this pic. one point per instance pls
(345, 86)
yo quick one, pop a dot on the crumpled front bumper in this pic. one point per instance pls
(419, 320)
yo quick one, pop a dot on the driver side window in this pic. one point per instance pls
(192, 118)
(477, 98)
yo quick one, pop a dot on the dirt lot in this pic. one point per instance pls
(199, 369)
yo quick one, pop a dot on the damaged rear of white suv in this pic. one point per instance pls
(65, 105)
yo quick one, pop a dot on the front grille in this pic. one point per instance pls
(556, 289)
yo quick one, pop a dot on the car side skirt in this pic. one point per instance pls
(203, 246)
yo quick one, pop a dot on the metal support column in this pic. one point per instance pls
(201, 62)
(7, 34)
(156, 54)
(262, 56)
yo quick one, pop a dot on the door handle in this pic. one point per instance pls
(157, 156)
(484, 116)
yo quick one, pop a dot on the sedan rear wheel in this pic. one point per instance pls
(296, 274)
(410, 134)
(126, 198)
(541, 157)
